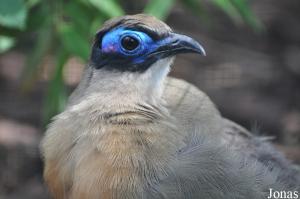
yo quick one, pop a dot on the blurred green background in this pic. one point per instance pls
(251, 71)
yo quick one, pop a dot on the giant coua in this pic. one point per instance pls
(130, 132)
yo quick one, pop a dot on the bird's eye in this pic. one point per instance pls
(129, 43)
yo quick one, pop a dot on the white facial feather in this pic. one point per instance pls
(127, 87)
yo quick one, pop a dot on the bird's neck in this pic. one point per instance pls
(130, 135)
(127, 88)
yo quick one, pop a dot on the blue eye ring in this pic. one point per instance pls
(134, 42)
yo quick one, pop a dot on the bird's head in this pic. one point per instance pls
(133, 43)
(133, 54)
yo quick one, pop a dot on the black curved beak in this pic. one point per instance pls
(178, 44)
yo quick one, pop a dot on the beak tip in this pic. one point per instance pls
(200, 49)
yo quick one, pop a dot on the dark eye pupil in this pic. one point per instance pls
(129, 43)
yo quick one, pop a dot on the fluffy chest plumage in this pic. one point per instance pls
(112, 155)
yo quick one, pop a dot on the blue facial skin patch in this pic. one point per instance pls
(111, 43)
(132, 50)
(125, 49)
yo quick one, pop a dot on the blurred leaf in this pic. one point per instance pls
(73, 42)
(31, 3)
(245, 12)
(36, 18)
(13, 13)
(43, 44)
(196, 7)
(228, 8)
(80, 16)
(6, 43)
(239, 10)
(96, 24)
(108, 7)
(56, 95)
(158, 8)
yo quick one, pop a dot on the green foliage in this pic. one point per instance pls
(65, 29)
(109, 8)
(243, 9)
(73, 42)
(239, 11)
(159, 8)
(6, 43)
(194, 5)
(36, 56)
(13, 13)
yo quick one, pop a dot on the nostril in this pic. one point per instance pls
(175, 42)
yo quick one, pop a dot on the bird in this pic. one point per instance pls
(131, 132)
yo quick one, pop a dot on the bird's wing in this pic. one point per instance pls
(195, 112)
(191, 107)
